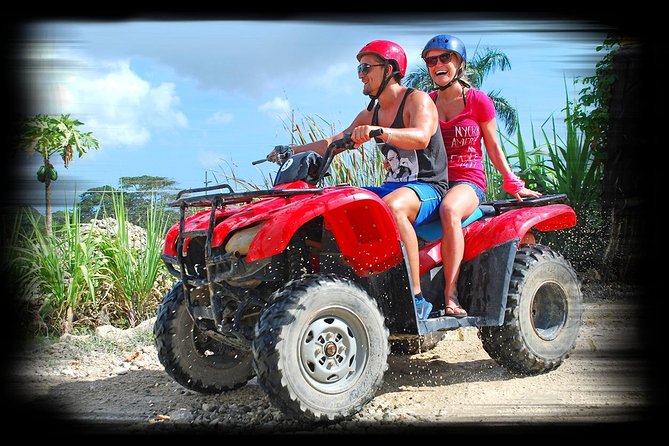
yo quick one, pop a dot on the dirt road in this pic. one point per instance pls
(114, 382)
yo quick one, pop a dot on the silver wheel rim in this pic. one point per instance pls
(548, 311)
(333, 350)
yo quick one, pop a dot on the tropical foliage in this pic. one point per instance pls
(568, 165)
(86, 274)
(591, 110)
(133, 267)
(49, 135)
(139, 194)
(61, 267)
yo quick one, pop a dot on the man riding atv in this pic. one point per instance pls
(409, 121)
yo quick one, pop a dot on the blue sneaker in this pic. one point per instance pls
(423, 308)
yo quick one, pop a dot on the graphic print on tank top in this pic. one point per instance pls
(403, 163)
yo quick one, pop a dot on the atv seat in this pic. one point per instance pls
(431, 231)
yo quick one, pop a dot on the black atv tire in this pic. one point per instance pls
(543, 314)
(192, 358)
(321, 348)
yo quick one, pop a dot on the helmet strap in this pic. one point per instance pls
(448, 85)
(453, 81)
(381, 87)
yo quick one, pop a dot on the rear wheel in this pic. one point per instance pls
(543, 313)
(321, 348)
(193, 359)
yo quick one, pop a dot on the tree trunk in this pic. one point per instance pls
(68, 324)
(47, 199)
(625, 185)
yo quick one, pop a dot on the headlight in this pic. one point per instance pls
(240, 240)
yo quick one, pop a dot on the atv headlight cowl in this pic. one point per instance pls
(241, 240)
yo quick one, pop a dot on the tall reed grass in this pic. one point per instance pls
(61, 267)
(360, 167)
(80, 275)
(133, 268)
(576, 168)
(563, 163)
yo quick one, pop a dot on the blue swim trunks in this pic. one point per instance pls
(428, 195)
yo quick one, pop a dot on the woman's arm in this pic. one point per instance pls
(513, 185)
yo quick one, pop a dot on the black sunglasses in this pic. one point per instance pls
(364, 67)
(432, 60)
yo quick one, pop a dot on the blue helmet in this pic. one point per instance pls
(446, 42)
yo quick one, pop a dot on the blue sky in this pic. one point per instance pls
(180, 98)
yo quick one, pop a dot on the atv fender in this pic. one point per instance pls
(514, 224)
(360, 221)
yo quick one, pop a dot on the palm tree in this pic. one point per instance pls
(48, 135)
(478, 67)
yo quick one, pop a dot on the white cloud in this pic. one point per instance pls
(209, 159)
(220, 118)
(336, 79)
(113, 101)
(278, 108)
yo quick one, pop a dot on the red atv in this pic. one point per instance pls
(307, 287)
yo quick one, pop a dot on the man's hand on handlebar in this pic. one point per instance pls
(280, 154)
(363, 133)
(349, 142)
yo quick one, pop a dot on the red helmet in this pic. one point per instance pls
(387, 50)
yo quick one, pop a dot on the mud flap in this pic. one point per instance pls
(391, 288)
(483, 283)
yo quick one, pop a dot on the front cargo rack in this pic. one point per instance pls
(222, 199)
(215, 201)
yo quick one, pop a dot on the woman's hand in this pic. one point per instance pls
(527, 193)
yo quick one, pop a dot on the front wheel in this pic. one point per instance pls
(321, 348)
(192, 358)
(543, 314)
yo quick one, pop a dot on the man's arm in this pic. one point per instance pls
(363, 117)
(421, 119)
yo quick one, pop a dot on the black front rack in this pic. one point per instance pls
(232, 197)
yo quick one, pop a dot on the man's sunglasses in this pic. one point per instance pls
(432, 60)
(364, 67)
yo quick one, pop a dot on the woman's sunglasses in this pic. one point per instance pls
(364, 67)
(432, 60)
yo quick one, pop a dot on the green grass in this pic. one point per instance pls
(76, 279)
(133, 270)
(63, 267)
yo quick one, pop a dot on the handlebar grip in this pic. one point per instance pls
(259, 161)
(375, 133)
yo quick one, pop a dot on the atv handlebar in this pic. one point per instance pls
(338, 146)
(346, 143)
(342, 143)
(375, 133)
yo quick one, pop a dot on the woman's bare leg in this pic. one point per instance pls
(459, 203)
